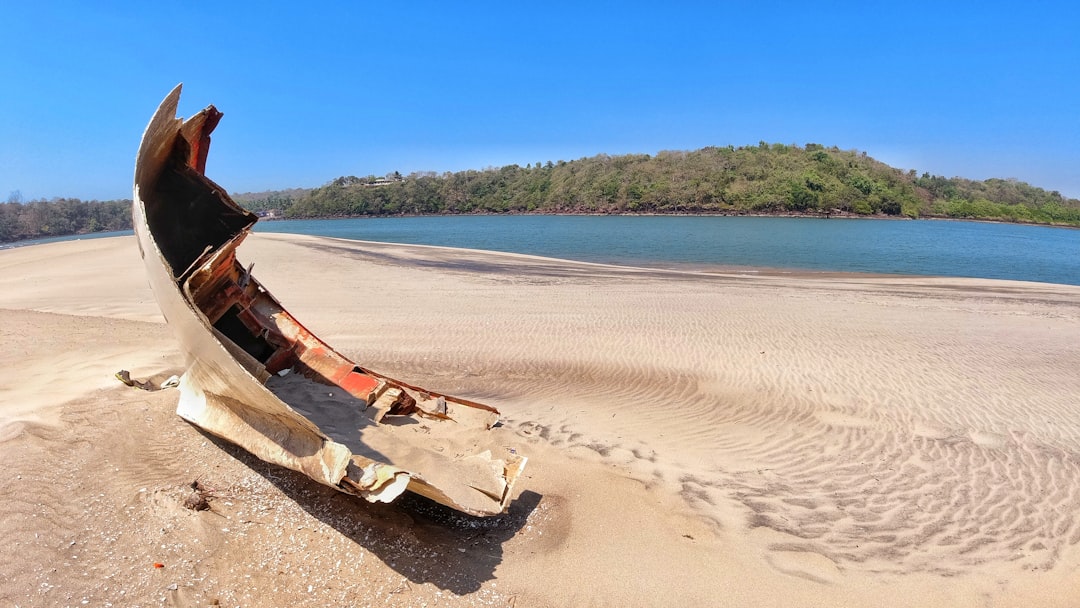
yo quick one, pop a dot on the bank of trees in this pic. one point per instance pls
(764, 179)
(61, 217)
(761, 179)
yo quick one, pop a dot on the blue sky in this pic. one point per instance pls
(312, 91)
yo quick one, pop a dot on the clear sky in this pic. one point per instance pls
(313, 91)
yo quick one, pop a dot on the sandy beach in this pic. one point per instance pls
(695, 438)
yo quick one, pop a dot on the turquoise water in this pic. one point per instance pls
(922, 247)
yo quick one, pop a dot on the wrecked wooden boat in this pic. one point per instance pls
(258, 378)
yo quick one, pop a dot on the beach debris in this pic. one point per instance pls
(254, 371)
(125, 377)
(198, 500)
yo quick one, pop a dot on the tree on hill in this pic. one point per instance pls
(61, 217)
(766, 179)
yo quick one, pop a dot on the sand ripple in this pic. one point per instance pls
(880, 425)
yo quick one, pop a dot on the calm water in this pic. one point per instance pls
(967, 249)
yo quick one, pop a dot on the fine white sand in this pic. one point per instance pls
(694, 438)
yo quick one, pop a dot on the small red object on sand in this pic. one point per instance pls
(159, 565)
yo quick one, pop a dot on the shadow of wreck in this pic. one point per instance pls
(420, 539)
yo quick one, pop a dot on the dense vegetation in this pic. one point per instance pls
(762, 179)
(61, 217)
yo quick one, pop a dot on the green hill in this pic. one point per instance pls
(762, 179)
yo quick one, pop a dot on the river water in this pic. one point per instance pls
(920, 247)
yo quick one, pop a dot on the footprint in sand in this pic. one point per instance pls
(809, 565)
(532, 429)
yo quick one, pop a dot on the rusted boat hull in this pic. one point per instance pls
(241, 344)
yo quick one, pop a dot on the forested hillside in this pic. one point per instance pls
(61, 217)
(762, 179)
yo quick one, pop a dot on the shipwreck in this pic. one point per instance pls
(256, 377)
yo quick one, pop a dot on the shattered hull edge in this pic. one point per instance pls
(328, 464)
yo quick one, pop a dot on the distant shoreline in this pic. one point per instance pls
(788, 215)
